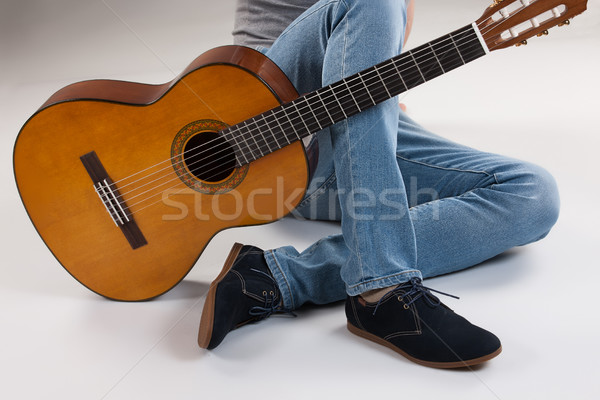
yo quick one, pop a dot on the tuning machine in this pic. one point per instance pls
(565, 22)
(543, 33)
(522, 43)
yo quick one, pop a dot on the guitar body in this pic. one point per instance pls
(137, 134)
(127, 183)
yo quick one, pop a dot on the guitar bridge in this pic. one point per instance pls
(111, 199)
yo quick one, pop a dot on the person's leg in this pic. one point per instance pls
(324, 45)
(466, 207)
(378, 245)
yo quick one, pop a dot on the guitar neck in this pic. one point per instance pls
(278, 127)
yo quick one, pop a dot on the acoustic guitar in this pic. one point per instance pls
(127, 183)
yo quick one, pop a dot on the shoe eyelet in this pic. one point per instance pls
(406, 306)
(264, 292)
(272, 293)
(400, 299)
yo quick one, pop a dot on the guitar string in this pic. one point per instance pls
(184, 187)
(178, 183)
(122, 179)
(274, 141)
(293, 119)
(463, 34)
(336, 100)
(257, 124)
(231, 130)
(296, 122)
(339, 100)
(344, 100)
(375, 94)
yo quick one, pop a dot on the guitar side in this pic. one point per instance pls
(132, 127)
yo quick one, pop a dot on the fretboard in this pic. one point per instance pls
(276, 128)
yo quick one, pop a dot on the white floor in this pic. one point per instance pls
(539, 102)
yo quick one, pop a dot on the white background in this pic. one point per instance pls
(539, 102)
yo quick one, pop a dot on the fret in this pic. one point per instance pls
(468, 44)
(298, 123)
(267, 124)
(428, 64)
(447, 53)
(247, 152)
(237, 146)
(301, 117)
(393, 81)
(417, 65)
(383, 82)
(312, 110)
(272, 121)
(336, 110)
(270, 140)
(457, 49)
(291, 124)
(393, 62)
(309, 116)
(376, 87)
(285, 134)
(345, 81)
(260, 136)
(361, 95)
(359, 75)
(324, 106)
(250, 141)
(410, 73)
(338, 102)
(437, 59)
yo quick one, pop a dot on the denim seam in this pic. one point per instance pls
(468, 192)
(280, 270)
(345, 122)
(385, 277)
(451, 169)
(313, 248)
(445, 168)
(497, 182)
(319, 191)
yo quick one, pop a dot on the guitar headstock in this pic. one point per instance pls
(512, 22)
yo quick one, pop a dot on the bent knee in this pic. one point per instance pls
(539, 200)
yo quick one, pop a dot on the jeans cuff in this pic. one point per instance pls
(281, 280)
(383, 282)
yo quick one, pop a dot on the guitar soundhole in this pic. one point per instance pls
(209, 157)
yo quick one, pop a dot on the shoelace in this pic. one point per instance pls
(269, 307)
(415, 291)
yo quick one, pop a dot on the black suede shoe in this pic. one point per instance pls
(244, 292)
(413, 322)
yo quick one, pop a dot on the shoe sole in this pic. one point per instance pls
(453, 364)
(208, 312)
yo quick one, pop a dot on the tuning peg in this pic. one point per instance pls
(543, 33)
(565, 22)
(522, 43)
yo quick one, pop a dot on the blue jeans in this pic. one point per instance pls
(411, 204)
